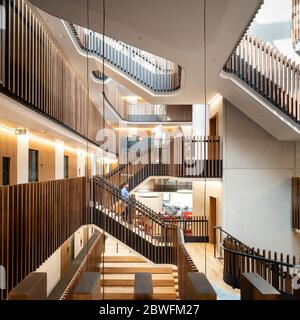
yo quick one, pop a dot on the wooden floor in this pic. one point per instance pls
(214, 267)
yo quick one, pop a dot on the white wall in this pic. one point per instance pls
(181, 199)
(52, 267)
(257, 184)
(22, 158)
(155, 203)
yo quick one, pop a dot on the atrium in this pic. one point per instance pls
(149, 150)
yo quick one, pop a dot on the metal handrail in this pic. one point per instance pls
(231, 236)
(164, 85)
(131, 201)
(259, 257)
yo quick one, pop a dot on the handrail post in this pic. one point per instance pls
(234, 285)
(215, 240)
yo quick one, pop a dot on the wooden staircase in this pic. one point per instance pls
(118, 274)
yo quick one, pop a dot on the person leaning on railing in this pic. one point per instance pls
(125, 198)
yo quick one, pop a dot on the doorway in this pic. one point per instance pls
(5, 171)
(65, 256)
(213, 145)
(33, 164)
(212, 218)
(213, 126)
(66, 167)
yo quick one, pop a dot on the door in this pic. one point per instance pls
(212, 221)
(5, 171)
(33, 170)
(66, 256)
(214, 145)
(66, 167)
(213, 126)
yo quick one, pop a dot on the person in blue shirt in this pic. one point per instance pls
(124, 191)
(125, 196)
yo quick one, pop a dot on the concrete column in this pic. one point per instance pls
(22, 158)
(59, 159)
(200, 127)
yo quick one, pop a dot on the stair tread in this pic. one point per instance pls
(130, 289)
(119, 259)
(134, 269)
(127, 293)
(132, 276)
(137, 264)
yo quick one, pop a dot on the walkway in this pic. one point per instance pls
(214, 269)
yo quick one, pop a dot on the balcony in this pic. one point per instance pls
(270, 87)
(153, 73)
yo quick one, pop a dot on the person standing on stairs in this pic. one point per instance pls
(125, 197)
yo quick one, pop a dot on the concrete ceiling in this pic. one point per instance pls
(173, 29)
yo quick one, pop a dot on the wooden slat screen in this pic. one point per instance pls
(2, 42)
(33, 71)
(295, 22)
(184, 263)
(195, 228)
(269, 73)
(178, 157)
(35, 219)
(164, 76)
(277, 269)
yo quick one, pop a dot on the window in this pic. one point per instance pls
(33, 164)
(66, 167)
(5, 171)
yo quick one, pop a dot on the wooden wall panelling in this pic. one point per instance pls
(2, 52)
(38, 75)
(35, 219)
